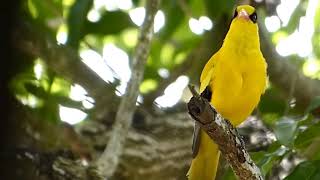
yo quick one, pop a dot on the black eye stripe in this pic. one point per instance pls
(253, 17)
(235, 14)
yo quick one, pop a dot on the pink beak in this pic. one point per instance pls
(243, 14)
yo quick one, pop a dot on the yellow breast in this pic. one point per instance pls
(237, 83)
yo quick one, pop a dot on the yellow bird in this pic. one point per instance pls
(232, 80)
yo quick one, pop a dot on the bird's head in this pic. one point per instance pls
(245, 14)
(244, 26)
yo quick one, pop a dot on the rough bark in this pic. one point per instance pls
(165, 146)
(53, 165)
(226, 136)
(109, 159)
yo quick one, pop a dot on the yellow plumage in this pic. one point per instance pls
(236, 76)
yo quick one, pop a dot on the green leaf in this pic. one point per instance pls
(312, 149)
(136, 2)
(45, 10)
(76, 21)
(306, 137)
(266, 160)
(216, 9)
(315, 43)
(36, 90)
(228, 175)
(155, 53)
(148, 85)
(110, 23)
(60, 86)
(315, 104)
(50, 111)
(197, 8)
(309, 170)
(272, 101)
(270, 118)
(174, 17)
(285, 130)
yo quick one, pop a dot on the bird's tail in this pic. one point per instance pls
(204, 165)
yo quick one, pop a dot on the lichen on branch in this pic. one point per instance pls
(225, 135)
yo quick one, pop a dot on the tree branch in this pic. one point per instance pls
(61, 59)
(109, 159)
(150, 151)
(225, 135)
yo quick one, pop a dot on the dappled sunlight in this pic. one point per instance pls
(289, 45)
(147, 86)
(130, 37)
(113, 5)
(94, 61)
(77, 93)
(311, 68)
(206, 23)
(173, 92)
(68, 2)
(98, 4)
(285, 9)
(38, 69)
(93, 15)
(137, 16)
(198, 26)
(159, 21)
(88, 103)
(71, 115)
(139, 100)
(272, 23)
(62, 35)
(29, 100)
(163, 72)
(195, 26)
(118, 62)
(124, 4)
(298, 42)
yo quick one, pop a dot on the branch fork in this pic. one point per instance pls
(225, 135)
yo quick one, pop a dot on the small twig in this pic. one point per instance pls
(290, 95)
(225, 135)
(193, 91)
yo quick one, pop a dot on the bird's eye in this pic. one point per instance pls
(253, 17)
(235, 14)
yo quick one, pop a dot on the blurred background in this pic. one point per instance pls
(71, 62)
